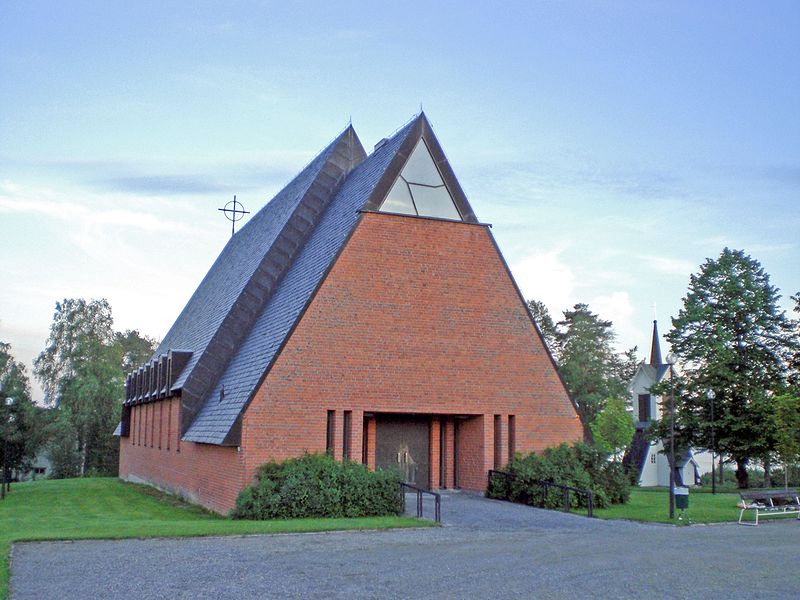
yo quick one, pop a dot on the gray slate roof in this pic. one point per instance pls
(217, 420)
(235, 266)
(272, 328)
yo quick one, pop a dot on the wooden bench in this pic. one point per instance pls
(769, 503)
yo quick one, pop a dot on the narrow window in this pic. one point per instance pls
(644, 407)
(169, 421)
(498, 442)
(512, 436)
(455, 453)
(442, 458)
(365, 442)
(152, 423)
(133, 425)
(329, 433)
(346, 435)
(653, 458)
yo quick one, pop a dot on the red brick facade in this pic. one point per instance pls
(417, 316)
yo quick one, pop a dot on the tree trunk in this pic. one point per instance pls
(786, 476)
(767, 476)
(742, 479)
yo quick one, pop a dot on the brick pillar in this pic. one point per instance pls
(338, 434)
(371, 429)
(435, 453)
(356, 434)
(449, 445)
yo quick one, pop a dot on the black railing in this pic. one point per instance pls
(437, 500)
(546, 487)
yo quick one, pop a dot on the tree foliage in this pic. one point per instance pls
(613, 428)
(547, 326)
(787, 426)
(22, 422)
(732, 339)
(82, 372)
(592, 370)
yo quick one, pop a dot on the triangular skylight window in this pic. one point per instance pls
(420, 190)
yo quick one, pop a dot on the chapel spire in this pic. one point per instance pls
(655, 349)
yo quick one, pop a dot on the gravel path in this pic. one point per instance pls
(486, 549)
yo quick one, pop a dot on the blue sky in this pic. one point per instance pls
(613, 145)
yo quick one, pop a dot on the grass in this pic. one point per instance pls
(107, 508)
(652, 505)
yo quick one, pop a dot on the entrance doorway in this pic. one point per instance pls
(403, 442)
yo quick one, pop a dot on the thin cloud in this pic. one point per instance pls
(17, 200)
(545, 277)
(669, 266)
(164, 184)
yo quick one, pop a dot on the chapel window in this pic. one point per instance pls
(420, 189)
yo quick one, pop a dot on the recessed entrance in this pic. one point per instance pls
(403, 442)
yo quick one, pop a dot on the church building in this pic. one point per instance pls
(648, 457)
(365, 312)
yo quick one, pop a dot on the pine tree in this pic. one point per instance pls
(733, 339)
(589, 365)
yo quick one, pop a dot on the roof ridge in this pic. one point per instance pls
(271, 264)
(219, 422)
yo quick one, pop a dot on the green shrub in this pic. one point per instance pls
(319, 486)
(579, 466)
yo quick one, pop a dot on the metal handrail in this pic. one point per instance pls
(565, 489)
(437, 500)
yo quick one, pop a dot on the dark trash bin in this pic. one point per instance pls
(681, 497)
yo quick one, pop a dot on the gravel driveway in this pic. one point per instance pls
(487, 549)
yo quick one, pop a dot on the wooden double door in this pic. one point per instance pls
(403, 442)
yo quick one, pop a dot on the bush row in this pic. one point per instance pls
(580, 466)
(319, 486)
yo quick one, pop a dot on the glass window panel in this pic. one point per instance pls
(434, 202)
(399, 200)
(420, 167)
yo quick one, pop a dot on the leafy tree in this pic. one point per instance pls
(74, 322)
(82, 371)
(546, 324)
(794, 368)
(787, 426)
(22, 422)
(590, 367)
(733, 339)
(135, 348)
(613, 428)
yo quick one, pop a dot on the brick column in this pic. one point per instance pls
(449, 452)
(371, 430)
(435, 452)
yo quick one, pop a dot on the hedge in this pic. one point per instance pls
(316, 485)
(580, 466)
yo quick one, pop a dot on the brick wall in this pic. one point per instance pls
(153, 453)
(417, 315)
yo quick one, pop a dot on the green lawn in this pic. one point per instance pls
(94, 508)
(652, 504)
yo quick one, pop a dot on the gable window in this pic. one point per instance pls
(420, 189)
(653, 458)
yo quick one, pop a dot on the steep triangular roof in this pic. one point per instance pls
(219, 421)
(655, 348)
(249, 270)
(246, 308)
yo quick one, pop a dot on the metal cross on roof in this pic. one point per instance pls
(233, 214)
